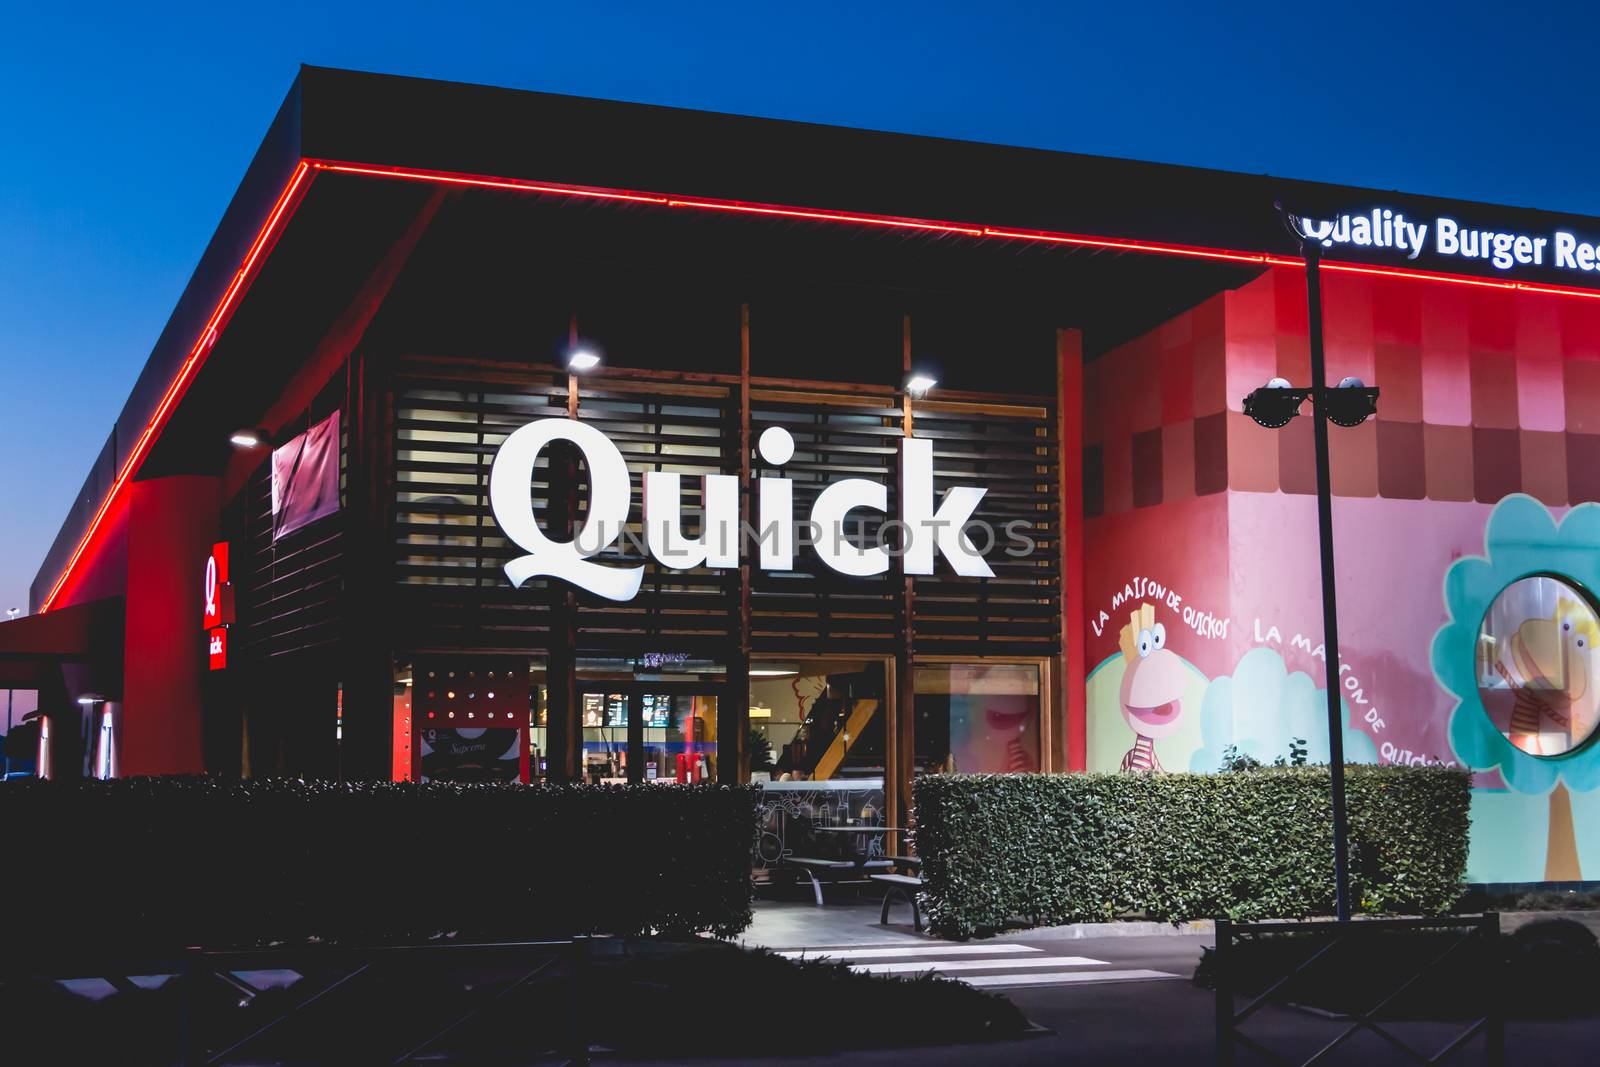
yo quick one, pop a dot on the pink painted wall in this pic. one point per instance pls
(1486, 393)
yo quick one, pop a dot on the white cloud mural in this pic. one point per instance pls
(1261, 707)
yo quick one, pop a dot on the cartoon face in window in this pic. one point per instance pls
(1536, 653)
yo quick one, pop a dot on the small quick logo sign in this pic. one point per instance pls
(925, 531)
(217, 611)
(216, 580)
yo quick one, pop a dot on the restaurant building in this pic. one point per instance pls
(508, 435)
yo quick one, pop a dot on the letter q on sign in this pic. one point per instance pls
(610, 496)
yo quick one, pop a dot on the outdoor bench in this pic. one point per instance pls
(900, 885)
(812, 864)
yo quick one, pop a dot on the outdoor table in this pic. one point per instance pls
(864, 828)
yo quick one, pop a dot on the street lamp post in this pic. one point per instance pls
(11, 696)
(1348, 404)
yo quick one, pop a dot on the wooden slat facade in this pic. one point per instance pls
(290, 591)
(441, 555)
(449, 553)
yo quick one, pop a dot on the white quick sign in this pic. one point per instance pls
(1446, 237)
(925, 530)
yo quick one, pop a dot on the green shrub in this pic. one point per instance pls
(156, 863)
(1057, 848)
(1555, 900)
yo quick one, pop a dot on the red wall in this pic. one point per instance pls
(169, 538)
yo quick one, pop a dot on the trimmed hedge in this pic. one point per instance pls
(1046, 849)
(149, 864)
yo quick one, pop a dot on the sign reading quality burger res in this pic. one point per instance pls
(924, 530)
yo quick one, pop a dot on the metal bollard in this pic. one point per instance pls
(578, 1034)
(1221, 961)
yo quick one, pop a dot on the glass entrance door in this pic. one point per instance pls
(603, 716)
(678, 736)
(648, 732)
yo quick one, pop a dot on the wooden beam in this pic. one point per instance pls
(733, 718)
(861, 713)
(900, 730)
(367, 654)
(1070, 695)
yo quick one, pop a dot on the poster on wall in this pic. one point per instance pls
(482, 755)
(469, 716)
(305, 478)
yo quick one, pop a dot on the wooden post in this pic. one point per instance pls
(733, 715)
(366, 673)
(366, 668)
(563, 720)
(1070, 698)
(899, 730)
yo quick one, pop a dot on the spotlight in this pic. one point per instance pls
(919, 384)
(1275, 403)
(582, 359)
(90, 699)
(1352, 403)
(252, 438)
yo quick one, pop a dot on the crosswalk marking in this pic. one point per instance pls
(995, 981)
(943, 966)
(906, 950)
(983, 965)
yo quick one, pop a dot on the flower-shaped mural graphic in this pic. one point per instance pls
(1523, 540)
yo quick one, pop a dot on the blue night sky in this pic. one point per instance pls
(126, 128)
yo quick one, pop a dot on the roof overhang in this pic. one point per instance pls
(35, 647)
(350, 157)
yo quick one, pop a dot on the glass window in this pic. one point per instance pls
(605, 736)
(817, 720)
(977, 717)
(680, 737)
(1537, 673)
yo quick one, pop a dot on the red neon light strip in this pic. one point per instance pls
(482, 182)
(936, 225)
(826, 216)
(1397, 272)
(1152, 247)
(1557, 290)
(297, 185)
(186, 373)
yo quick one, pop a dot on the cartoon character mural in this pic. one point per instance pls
(1539, 679)
(1517, 655)
(1153, 684)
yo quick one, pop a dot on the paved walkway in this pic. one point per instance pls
(848, 931)
(1002, 966)
(1104, 1001)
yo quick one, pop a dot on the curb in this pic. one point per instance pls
(1509, 921)
(1076, 931)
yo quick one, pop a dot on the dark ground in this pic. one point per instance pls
(1144, 1022)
